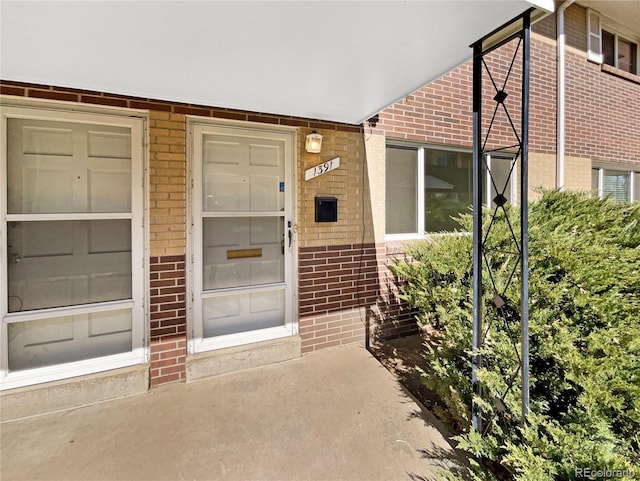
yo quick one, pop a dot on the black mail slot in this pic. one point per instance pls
(326, 209)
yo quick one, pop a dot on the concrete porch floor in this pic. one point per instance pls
(332, 415)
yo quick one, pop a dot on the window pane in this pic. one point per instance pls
(48, 342)
(503, 178)
(242, 174)
(594, 23)
(61, 167)
(616, 185)
(608, 48)
(242, 251)
(448, 188)
(64, 263)
(243, 312)
(401, 190)
(595, 182)
(627, 54)
(636, 187)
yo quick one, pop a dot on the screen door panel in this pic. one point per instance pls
(243, 233)
(70, 193)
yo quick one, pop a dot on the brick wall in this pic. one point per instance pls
(337, 286)
(392, 317)
(602, 119)
(349, 184)
(603, 110)
(167, 183)
(168, 319)
(347, 291)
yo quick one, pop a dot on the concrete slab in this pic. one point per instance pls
(332, 415)
(74, 392)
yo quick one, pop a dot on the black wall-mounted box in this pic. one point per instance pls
(326, 209)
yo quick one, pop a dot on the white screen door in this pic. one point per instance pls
(242, 236)
(72, 235)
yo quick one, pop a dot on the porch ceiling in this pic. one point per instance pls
(340, 61)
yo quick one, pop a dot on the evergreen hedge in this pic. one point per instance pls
(584, 326)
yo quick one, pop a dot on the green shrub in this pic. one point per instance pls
(584, 327)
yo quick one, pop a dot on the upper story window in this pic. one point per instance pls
(608, 46)
(427, 187)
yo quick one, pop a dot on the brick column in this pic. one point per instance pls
(167, 186)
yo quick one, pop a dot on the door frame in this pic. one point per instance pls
(195, 342)
(137, 120)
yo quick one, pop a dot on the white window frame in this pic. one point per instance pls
(634, 173)
(617, 31)
(196, 342)
(513, 194)
(421, 233)
(61, 111)
(594, 39)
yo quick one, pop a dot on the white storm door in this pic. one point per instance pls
(243, 236)
(74, 245)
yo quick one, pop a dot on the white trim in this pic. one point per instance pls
(420, 198)
(232, 340)
(197, 127)
(600, 183)
(54, 312)
(227, 291)
(632, 170)
(15, 107)
(613, 27)
(52, 217)
(591, 55)
(71, 369)
(420, 210)
(275, 213)
(410, 236)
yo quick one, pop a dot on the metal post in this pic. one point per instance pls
(477, 231)
(482, 242)
(524, 214)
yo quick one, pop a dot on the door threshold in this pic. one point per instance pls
(239, 358)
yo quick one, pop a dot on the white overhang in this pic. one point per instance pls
(339, 61)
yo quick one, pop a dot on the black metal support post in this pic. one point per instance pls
(505, 310)
(524, 213)
(477, 231)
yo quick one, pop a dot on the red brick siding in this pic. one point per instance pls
(337, 277)
(393, 317)
(168, 325)
(603, 111)
(22, 89)
(441, 112)
(337, 285)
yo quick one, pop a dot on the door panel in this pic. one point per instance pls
(64, 263)
(242, 174)
(47, 342)
(242, 251)
(62, 170)
(240, 313)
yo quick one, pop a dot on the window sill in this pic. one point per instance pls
(620, 73)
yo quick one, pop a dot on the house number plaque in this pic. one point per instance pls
(323, 168)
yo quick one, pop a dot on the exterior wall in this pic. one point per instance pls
(338, 276)
(602, 121)
(603, 110)
(336, 283)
